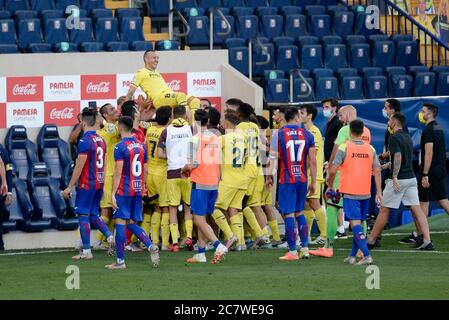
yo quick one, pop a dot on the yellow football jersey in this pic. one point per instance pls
(250, 130)
(156, 165)
(234, 154)
(151, 82)
(111, 137)
(319, 147)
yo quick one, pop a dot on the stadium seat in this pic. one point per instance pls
(21, 150)
(8, 48)
(165, 45)
(89, 5)
(242, 11)
(375, 87)
(314, 9)
(234, 42)
(346, 72)
(25, 14)
(401, 37)
(326, 87)
(424, 84)
(65, 47)
(116, 46)
(287, 58)
(256, 3)
(63, 4)
(266, 11)
(442, 84)
(307, 40)
(40, 48)
(311, 57)
(438, 69)
(238, 58)
(157, 8)
(288, 10)
(407, 53)
(101, 13)
(277, 90)
(181, 4)
(359, 55)
(233, 3)
(199, 31)
(295, 25)
(29, 32)
(13, 5)
(55, 31)
(141, 46)
(351, 88)
(321, 72)
(50, 14)
(224, 10)
(354, 38)
(300, 90)
(304, 72)
(326, 40)
(208, 3)
(131, 29)
(283, 41)
(370, 72)
(274, 74)
(40, 5)
(343, 23)
(333, 9)
(303, 3)
(383, 54)
(4, 14)
(320, 25)
(400, 85)
(418, 68)
(394, 70)
(82, 34)
(260, 56)
(7, 32)
(193, 12)
(377, 37)
(91, 46)
(247, 26)
(271, 26)
(106, 30)
(280, 3)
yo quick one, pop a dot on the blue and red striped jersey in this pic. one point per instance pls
(293, 147)
(92, 175)
(134, 156)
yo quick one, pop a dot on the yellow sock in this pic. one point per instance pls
(274, 229)
(100, 236)
(165, 226)
(222, 223)
(111, 225)
(252, 221)
(155, 226)
(189, 228)
(309, 217)
(174, 232)
(146, 223)
(266, 231)
(241, 236)
(236, 226)
(246, 228)
(321, 220)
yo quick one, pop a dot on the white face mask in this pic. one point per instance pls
(327, 113)
(384, 114)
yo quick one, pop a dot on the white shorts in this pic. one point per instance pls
(408, 194)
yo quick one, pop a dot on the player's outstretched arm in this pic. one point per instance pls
(131, 91)
(80, 161)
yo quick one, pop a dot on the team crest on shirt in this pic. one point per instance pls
(137, 185)
(296, 170)
(100, 177)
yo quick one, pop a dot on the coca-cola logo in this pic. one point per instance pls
(24, 90)
(66, 113)
(175, 85)
(102, 87)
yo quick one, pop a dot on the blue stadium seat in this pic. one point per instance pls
(343, 23)
(181, 4)
(283, 41)
(141, 46)
(280, 3)
(333, 9)
(256, 3)
(234, 42)
(40, 48)
(295, 25)
(273, 74)
(260, 56)
(242, 11)
(65, 47)
(304, 72)
(346, 72)
(300, 90)
(307, 40)
(314, 9)
(438, 69)
(370, 72)
(351, 88)
(377, 37)
(221, 28)
(127, 12)
(25, 14)
(192, 12)
(442, 84)
(401, 37)
(89, 5)
(4, 14)
(354, 38)
(277, 90)
(418, 68)
(233, 3)
(247, 27)
(375, 87)
(91, 46)
(116, 46)
(22, 151)
(209, 3)
(169, 45)
(106, 30)
(29, 32)
(50, 14)
(359, 55)
(63, 4)
(311, 57)
(55, 31)
(287, 10)
(131, 29)
(238, 58)
(8, 48)
(83, 34)
(407, 53)
(13, 5)
(321, 72)
(157, 8)
(224, 10)
(266, 11)
(424, 84)
(7, 32)
(326, 87)
(394, 70)
(199, 31)
(303, 3)
(383, 54)
(320, 25)
(40, 5)
(326, 40)
(101, 13)
(287, 58)
(400, 85)
(271, 26)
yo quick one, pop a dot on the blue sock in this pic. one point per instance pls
(140, 234)
(120, 239)
(290, 233)
(355, 248)
(303, 230)
(85, 231)
(216, 244)
(201, 250)
(360, 239)
(97, 222)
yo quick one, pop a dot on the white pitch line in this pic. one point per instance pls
(405, 233)
(399, 251)
(34, 252)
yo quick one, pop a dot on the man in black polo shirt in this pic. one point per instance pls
(400, 184)
(5, 189)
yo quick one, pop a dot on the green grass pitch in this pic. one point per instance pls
(404, 274)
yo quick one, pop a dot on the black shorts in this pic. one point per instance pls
(436, 191)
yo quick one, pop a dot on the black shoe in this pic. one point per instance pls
(427, 247)
(374, 245)
(341, 235)
(418, 242)
(411, 238)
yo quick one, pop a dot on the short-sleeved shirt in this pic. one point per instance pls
(344, 135)
(151, 82)
(111, 137)
(318, 138)
(434, 133)
(400, 142)
(156, 165)
(388, 134)
(332, 128)
(93, 172)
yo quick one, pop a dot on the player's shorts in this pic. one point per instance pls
(178, 189)
(292, 197)
(129, 208)
(255, 190)
(106, 201)
(336, 187)
(87, 202)
(267, 197)
(408, 194)
(173, 99)
(318, 191)
(355, 209)
(158, 185)
(202, 201)
(229, 197)
(436, 191)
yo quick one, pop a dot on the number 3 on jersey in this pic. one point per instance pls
(100, 158)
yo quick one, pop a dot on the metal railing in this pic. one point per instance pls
(211, 26)
(171, 14)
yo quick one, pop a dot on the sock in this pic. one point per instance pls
(85, 231)
(252, 221)
(129, 235)
(360, 239)
(222, 223)
(236, 226)
(241, 236)
(189, 227)
(290, 233)
(120, 238)
(165, 226)
(274, 229)
(266, 231)
(355, 248)
(365, 227)
(321, 221)
(303, 230)
(100, 237)
(111, 225)
(155, 226)
(146, 223)
(140, 234)
(216, 244)
(309, 217)
(341, 228)
(332, 216)
(174, 232)
(98, 223)
(201, 250)
(134, 237)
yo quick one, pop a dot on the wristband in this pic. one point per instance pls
(425, 174)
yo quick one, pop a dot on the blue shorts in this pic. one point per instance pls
(87, 202)
(202, 201)
(292, 197)
(355, 209)
(129, 208)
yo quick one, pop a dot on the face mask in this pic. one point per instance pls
(390, 130)
(327, 113)
(421, 118)
(384, 114)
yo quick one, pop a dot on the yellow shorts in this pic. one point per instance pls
(158, 185)
(267, 197)
(178, 189)
(318, 191)
(255, 195)
(106, 199)
(229, 197)
(173, 99)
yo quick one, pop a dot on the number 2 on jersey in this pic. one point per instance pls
(291, 148)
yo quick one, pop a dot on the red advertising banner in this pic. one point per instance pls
(62, 113)
(98, 87)
(23, 89)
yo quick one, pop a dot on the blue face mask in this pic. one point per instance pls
(327, 113)
(384, 114)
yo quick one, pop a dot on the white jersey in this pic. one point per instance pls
(177, 146)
